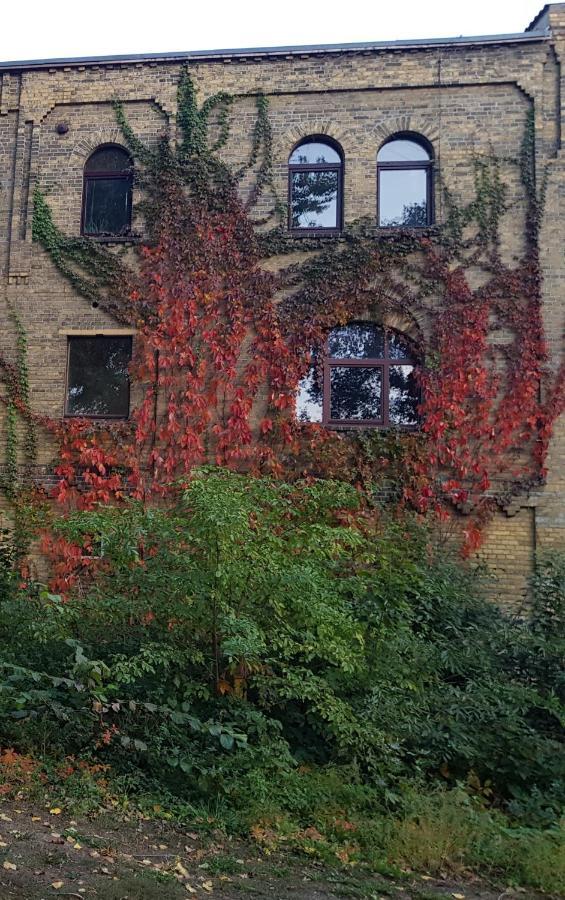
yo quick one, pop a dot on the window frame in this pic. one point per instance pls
(318, 167)
(383, 364)
(123, 175)
(425, 165)
(94, 416)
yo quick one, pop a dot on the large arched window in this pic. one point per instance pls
(404, 176)
(107, 190)
(315, 185)
(366, 377)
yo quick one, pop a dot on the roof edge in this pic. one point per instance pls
(269, 52)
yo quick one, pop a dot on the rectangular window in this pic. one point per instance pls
(97, 377)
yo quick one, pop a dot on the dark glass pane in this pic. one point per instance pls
(398, 346)
(403, 396)
(314, 199)
(98, 376)
(402, 150)
(107, 205)
(314, 152)
(108, 159)
(355, 392)
(360, 340)
(309, 398)
(403, 197)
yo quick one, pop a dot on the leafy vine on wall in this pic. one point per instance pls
(222, 341)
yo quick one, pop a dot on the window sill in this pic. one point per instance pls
(315, 232)
(97, 419)
(113, 239)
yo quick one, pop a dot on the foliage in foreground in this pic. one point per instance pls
(280, 653)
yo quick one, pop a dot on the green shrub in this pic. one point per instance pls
(263, 646)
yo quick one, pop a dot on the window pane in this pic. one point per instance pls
(403, 197)
(355, 392)
(403, 396)
(314, 199)
(398, 347)
(361, 340)
(314, 152)
(309, 398)
(98, 376)
(108, 159)
(402, 151)
(107, 205)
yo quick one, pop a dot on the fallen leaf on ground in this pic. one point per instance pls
(208, 886)
(56, 811)
(181, 869)
(57, 884)
(11, 867)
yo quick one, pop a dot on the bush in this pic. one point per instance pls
(261, 645)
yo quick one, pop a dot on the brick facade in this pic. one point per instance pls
(464, 96)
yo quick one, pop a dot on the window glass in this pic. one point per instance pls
(360, 340)
(402, 150)
(355, 392)
(314, 153)
(107, 204)
(97, 378)
(403, 396)
(314, 199)
(108, 159)
(403, 197)
(398, 346)
(309, 402)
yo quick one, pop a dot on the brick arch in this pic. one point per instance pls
(286, 141)
(88, 144)
(413, 326)
(417, 124)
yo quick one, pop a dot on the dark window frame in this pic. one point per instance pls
(426, 165)
(125, 175)
(383, 363)
(94, 416)
(318, 167)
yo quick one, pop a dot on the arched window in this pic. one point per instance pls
(315, 185)
(404, 176)
(366, 377)
(107, 190)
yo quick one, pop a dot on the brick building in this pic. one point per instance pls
(452, 98)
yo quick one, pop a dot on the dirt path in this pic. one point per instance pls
(46, 854)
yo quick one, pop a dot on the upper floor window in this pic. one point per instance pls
(97, 376)
(315, 185)
(106, 198)
(366, 377)
(404, 175)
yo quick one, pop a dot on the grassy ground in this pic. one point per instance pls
(47, 853)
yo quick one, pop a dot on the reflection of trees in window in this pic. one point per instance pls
(107, 192)
(315, 185)
(366, 377)
(404, 173)
(97, 376)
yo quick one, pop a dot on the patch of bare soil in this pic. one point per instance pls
(46, 854)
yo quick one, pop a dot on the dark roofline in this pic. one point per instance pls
(270, 52)
(541, 15)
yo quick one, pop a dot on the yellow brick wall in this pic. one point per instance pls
(465, 99)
